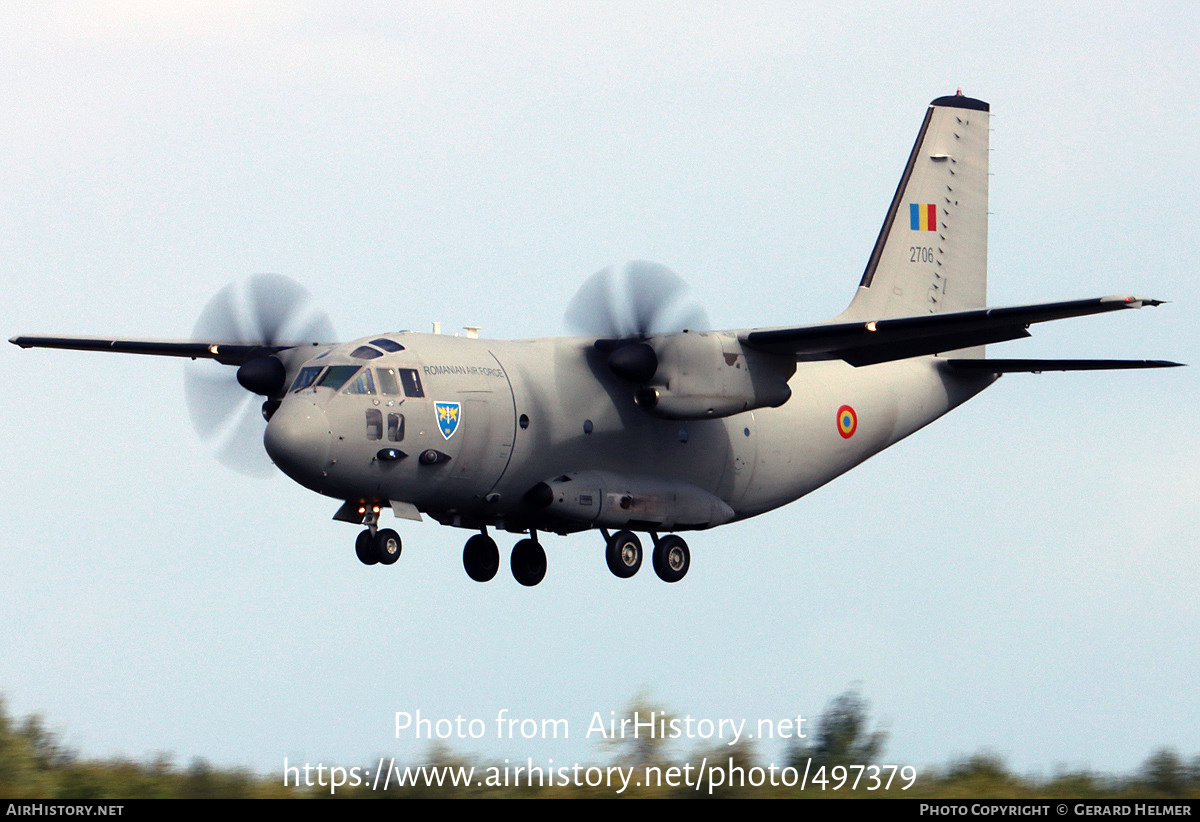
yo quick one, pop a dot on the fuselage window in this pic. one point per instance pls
(362, 384)
(388, 345)
(395, 427)
(387, 381)
(365, 352)
(306, 377)
(374, 424)
(336, 376)
(411, 381)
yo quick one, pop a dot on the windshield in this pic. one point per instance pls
(306, 377)
(336, 376)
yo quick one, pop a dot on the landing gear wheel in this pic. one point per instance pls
(671, 558)
(387, 545)
(624, 554)
(365, 548)
(481, 558)
(528, 562)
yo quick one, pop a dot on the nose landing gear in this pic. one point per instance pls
(382, 547)
(377, 545)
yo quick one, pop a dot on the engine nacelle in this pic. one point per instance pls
(703, 375)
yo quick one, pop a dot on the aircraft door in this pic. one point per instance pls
(466, 416)
(487, 439)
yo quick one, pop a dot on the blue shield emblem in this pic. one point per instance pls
(448, 416)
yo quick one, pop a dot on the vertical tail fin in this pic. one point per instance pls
(931, 254)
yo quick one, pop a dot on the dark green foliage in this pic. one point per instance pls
(1166, 774)
(842, 736)
(35, 765)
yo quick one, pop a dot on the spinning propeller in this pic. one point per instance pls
(636, 300)
(267, 310)
(625, 306)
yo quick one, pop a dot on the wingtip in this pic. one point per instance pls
(1132, 300)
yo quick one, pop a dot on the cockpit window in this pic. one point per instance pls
(362, 384)
(388, 345)
(365, 352)
(306, 377)
(387, 381)
(336, 376)
(411, 381)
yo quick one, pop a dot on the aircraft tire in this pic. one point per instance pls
(365, 548)
(387, 545)
(672, 558)
(481, 558)
(624, 554)
(528, 562)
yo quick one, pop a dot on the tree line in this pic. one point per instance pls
(35, 764)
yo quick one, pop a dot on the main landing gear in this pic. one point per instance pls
(481, 558)
(528, 561)
(623, 551)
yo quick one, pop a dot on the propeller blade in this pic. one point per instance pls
(281, 311)
(213, 399)
(637, 300)
(593, 309)
(653, 291)
(241, 447)
(268, 310)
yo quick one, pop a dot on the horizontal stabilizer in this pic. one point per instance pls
(1038, 366)
(884, 340)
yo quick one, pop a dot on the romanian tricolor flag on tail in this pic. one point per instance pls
(922, 216)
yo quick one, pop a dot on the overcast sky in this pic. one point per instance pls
(1021, 576)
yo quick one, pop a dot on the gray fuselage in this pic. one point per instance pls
(485, 422)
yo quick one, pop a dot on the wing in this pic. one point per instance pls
(224, 353)
(876, 341)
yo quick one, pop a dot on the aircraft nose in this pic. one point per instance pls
(297, 440)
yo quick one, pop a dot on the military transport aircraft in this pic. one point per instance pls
(644, 424)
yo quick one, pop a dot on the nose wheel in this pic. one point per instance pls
(377, 546)
(383, 547)
(364, 546)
